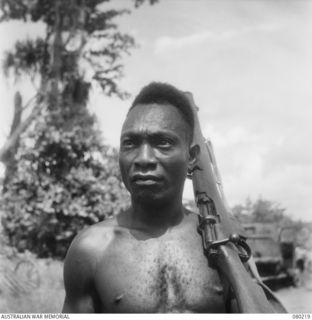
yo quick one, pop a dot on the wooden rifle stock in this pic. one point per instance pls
(223, 244)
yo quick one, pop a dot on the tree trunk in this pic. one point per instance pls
(7, 154)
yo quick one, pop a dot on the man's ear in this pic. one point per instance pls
(194, 156)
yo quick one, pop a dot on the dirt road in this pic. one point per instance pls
(297, 300)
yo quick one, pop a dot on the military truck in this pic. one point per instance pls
(275, 252)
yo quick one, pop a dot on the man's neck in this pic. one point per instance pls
(154, 219)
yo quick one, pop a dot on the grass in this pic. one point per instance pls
(48, 297)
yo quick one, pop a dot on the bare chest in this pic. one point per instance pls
(158, 276)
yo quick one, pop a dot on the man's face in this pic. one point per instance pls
(154, 153)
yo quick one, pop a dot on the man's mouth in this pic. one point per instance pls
(145, 180)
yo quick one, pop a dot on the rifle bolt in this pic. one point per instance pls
(234, 237)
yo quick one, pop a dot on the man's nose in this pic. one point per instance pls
(146, 157)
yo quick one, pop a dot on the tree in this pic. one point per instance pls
(267, 211)
(261, 210)
(64, 176)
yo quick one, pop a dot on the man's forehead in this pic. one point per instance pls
(154, 116)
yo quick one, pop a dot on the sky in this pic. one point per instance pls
(248, 64)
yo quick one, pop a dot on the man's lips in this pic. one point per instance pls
(145, 179)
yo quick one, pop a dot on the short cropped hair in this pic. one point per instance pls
(164, 93)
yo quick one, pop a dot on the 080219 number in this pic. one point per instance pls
(301, 316)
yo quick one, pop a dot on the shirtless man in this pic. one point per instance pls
(148, 259)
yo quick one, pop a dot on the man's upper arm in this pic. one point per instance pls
(79, 270)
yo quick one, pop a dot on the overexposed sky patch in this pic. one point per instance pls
(164, 43)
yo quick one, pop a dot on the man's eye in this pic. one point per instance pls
(164, 143)
(128, 143)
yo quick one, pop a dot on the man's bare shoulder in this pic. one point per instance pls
(94, 239)
(81, 262)
(85, 252)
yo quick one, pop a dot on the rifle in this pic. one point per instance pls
(223, 242)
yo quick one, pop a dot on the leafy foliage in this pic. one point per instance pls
(26, 58)
(58, 189)
(260, 211)
(87, 33)
(66, 178)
